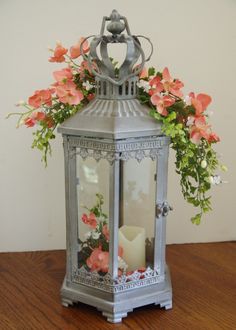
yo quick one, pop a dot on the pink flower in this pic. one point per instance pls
(90, 220)
(156, 85)
(35, 117)
(141, 269)
(68, 93)
(105, 232)
(200, 102)
(199, 130)
(39, 116)
(213, 138)
(30, 122)
(144, 73)
(161, 103)
(49, 121)
(171, 85)
(43, 96)
(90, 97)
(63, 75)
(84, 66)
(59, 53)
(75, 50)
(98, 260)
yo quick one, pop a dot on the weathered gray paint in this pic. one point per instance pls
(112, 119)
(160, 224)
(115, 127)
(116, 306)
(114, 217)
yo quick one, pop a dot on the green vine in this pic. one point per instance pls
(195, 163)
(184, 120)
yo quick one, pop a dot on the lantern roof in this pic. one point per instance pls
(114, 119)
(115, 112)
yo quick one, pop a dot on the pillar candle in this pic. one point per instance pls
(132, 240)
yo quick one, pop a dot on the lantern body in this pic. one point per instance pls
(115, 152)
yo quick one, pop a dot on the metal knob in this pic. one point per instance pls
(162, 209)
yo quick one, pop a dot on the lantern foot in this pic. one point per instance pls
(115, 317)
(167, 304)
(125, 301)
(66, 302)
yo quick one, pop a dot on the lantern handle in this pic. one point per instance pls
(104, 77)
(137, 36)
(150, 43)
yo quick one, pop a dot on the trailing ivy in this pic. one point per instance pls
(196, 163)
(184, 120)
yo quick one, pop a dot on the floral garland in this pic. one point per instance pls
(94, 252)
(184, 119)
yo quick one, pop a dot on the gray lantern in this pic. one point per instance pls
(116, 161)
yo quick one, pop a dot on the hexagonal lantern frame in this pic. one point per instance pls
(115, 126)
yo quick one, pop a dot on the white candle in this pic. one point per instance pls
(132, 240)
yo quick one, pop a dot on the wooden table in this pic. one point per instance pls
(204, 289)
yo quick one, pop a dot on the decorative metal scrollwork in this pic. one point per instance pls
(139, 155)
(122, 283)
(162, 209)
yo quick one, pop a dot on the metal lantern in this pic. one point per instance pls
(116, 162)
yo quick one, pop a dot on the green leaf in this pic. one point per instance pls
(151, 71)
(196, 219)
(171, 117)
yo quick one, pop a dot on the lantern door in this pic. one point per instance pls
(137, 214)
(92, 179)
(116, 209)
(143, 208)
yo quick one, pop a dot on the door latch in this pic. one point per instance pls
(162, 209)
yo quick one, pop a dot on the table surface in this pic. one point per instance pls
(203, 280)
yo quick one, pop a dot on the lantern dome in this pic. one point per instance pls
(115, 113)
(115, 119)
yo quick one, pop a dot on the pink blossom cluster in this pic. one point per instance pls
(199, 127)
(64, 89)
(90, 220)
(165, 91)
(98, 259)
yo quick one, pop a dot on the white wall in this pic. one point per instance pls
(195, 39)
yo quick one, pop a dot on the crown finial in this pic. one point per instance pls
(115, 26)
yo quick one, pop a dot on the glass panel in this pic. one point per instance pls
(93, 212)
(137, 213)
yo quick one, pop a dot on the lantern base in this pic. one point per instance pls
(115, 306)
